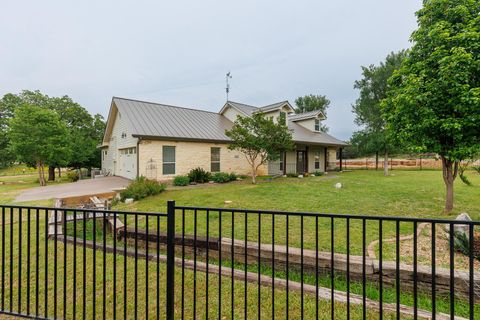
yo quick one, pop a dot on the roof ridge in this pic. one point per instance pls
(165, 105)
(244, 104)
(272, 104)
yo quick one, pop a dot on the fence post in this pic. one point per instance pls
(170, 259)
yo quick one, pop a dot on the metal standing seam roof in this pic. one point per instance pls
(245, 108)
(305, 115)
(147, 119)
(154, 120)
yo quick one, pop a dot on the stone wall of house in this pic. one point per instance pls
(190, 155)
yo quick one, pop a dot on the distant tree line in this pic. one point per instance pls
(53, 132)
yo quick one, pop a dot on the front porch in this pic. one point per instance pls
(305, 159)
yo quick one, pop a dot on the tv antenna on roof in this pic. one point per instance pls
(227, 88)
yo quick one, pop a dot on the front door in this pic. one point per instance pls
(301, 162)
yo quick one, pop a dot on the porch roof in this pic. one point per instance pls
(303, 135)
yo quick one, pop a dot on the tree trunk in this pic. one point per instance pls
(59, 172)
(254, 174)
(51, 173)
(450, 170)
(385, 163)
(41, 177)
(376, 160)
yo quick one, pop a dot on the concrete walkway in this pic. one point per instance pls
(80, 188)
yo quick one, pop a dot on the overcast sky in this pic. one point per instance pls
(177, 52)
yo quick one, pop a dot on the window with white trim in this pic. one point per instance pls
(317, 125)
(168, 155)
(317, 160)
(215, 159)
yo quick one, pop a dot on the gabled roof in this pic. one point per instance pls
(301, 134)
(150, 120)
(245, 109)
(154, 120)
(275, 106)
(248, 110)
(315, 114)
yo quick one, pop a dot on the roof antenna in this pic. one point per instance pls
(227, 89)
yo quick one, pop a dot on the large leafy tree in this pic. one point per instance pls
(38, 137)
(85, 130)
(313, 102)
(368, 112)
(434, 99)
(260, 139)
(7, 106)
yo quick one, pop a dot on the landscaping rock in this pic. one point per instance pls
(228, 201)
(462, 228)
(128, 200)
(338, 185)
(300, 176)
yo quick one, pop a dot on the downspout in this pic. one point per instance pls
(138, 157)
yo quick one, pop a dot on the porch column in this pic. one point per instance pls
(325, 159)
(341, 158)
(306, 159)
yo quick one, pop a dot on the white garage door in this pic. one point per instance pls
(128, 163)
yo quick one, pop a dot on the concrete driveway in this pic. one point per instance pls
(80, 188)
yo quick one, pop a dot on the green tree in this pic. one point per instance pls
(313, 102)
(260, 139)
(368, 111)
(7, 105)
(85, 130)
(434, 100)
(38, 137)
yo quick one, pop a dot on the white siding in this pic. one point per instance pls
(120, 138)
(231, 114)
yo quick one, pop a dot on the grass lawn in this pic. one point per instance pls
(405, 193)
(17, 169)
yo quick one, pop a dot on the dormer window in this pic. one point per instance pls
(317, 125)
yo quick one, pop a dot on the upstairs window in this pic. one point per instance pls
(215, 159)
(317, 125)
(168, 160)
(283, 118)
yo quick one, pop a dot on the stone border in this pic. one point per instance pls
(323, 293)
(372, 266)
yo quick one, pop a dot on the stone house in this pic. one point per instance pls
(161, 141)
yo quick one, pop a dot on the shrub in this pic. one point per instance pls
(199, 175)
(233, 176)
(73, 176)
(292, 175)
(221, 177)
(181, 181)
(141, 188)
(318, 173)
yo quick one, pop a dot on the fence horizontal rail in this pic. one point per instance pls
(332, 215)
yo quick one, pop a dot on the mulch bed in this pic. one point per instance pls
(476, 244)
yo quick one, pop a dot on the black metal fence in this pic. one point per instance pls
(222, 263)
